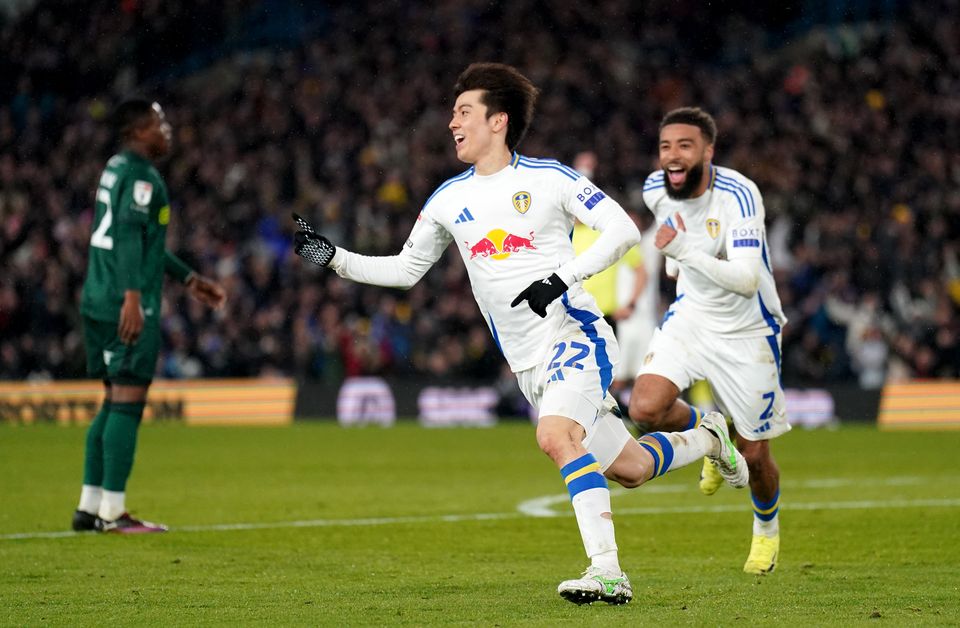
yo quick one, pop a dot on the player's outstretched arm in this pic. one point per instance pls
(310, 245)
(425, 246)
(207, 291)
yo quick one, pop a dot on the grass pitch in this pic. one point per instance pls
(319, 525)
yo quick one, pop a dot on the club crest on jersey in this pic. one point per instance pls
(522, 201)
(713, 227)
(142, 192)
(499, 244)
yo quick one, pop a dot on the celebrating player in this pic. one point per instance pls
(725, 323)
(121, 310)
(511, 217)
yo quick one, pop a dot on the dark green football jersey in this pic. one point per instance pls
(127, 243)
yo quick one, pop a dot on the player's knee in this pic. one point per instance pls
(552, 443)
(632, 467)
(632, 479)
(646, 411)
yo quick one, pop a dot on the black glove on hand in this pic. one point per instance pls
(310, 245)
(541, 293)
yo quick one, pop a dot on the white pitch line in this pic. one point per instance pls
(376, 521)
(543, 506)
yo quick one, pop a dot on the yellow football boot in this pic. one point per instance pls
(764, 552)
(710, 478)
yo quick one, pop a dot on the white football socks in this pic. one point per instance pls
(112, 505)
(766, 528)
(90, 499)
(597, 532)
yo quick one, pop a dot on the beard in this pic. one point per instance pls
(690, 184)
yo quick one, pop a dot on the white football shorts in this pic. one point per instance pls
(744, 374)
(572, 382)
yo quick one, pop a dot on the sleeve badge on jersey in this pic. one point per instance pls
(713, 227)
(142, 192)
(522, 201)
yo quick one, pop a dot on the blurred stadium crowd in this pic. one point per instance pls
(851, 132)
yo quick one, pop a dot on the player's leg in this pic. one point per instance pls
(745, 377)
(669, 367)
(97, 336)
(658, 453)
(131, 371)
(91, 492)
(765, 494)
(562, 439)
(569, 390)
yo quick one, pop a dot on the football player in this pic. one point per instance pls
(725, 324)
(510, 217)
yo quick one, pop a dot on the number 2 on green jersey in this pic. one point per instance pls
(100, 239)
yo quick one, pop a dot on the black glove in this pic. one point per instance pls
(541, 293)
(310, 245)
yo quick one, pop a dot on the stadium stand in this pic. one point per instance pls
(851, 129)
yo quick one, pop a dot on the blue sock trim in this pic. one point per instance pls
(586, 475)
(667, 449)
(656, 457)
(695, 416)
(759, 505)
(585, 483)
(577, 464)
(766, 511)
(767, 517)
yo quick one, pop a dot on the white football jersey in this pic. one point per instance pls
(512, 228)
(725, 222)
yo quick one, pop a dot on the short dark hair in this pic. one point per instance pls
(505, 90)
(694, 116)
(129, 115)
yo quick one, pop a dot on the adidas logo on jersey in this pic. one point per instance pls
(465, 216)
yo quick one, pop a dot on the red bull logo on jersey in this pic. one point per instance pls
(522, 201)
(500, 244)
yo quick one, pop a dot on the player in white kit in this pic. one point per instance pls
(511, 218)
(725, 323)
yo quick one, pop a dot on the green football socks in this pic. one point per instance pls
(93, 456)
(119, 444)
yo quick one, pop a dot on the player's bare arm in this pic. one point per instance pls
(207, 291)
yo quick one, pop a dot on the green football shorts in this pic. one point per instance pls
(110, 359)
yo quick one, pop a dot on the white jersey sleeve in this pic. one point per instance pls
(423, 248)
(600, 212)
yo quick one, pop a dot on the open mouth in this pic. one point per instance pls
(677, 175)
(458, 139)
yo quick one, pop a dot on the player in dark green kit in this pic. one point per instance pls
(121, 309)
